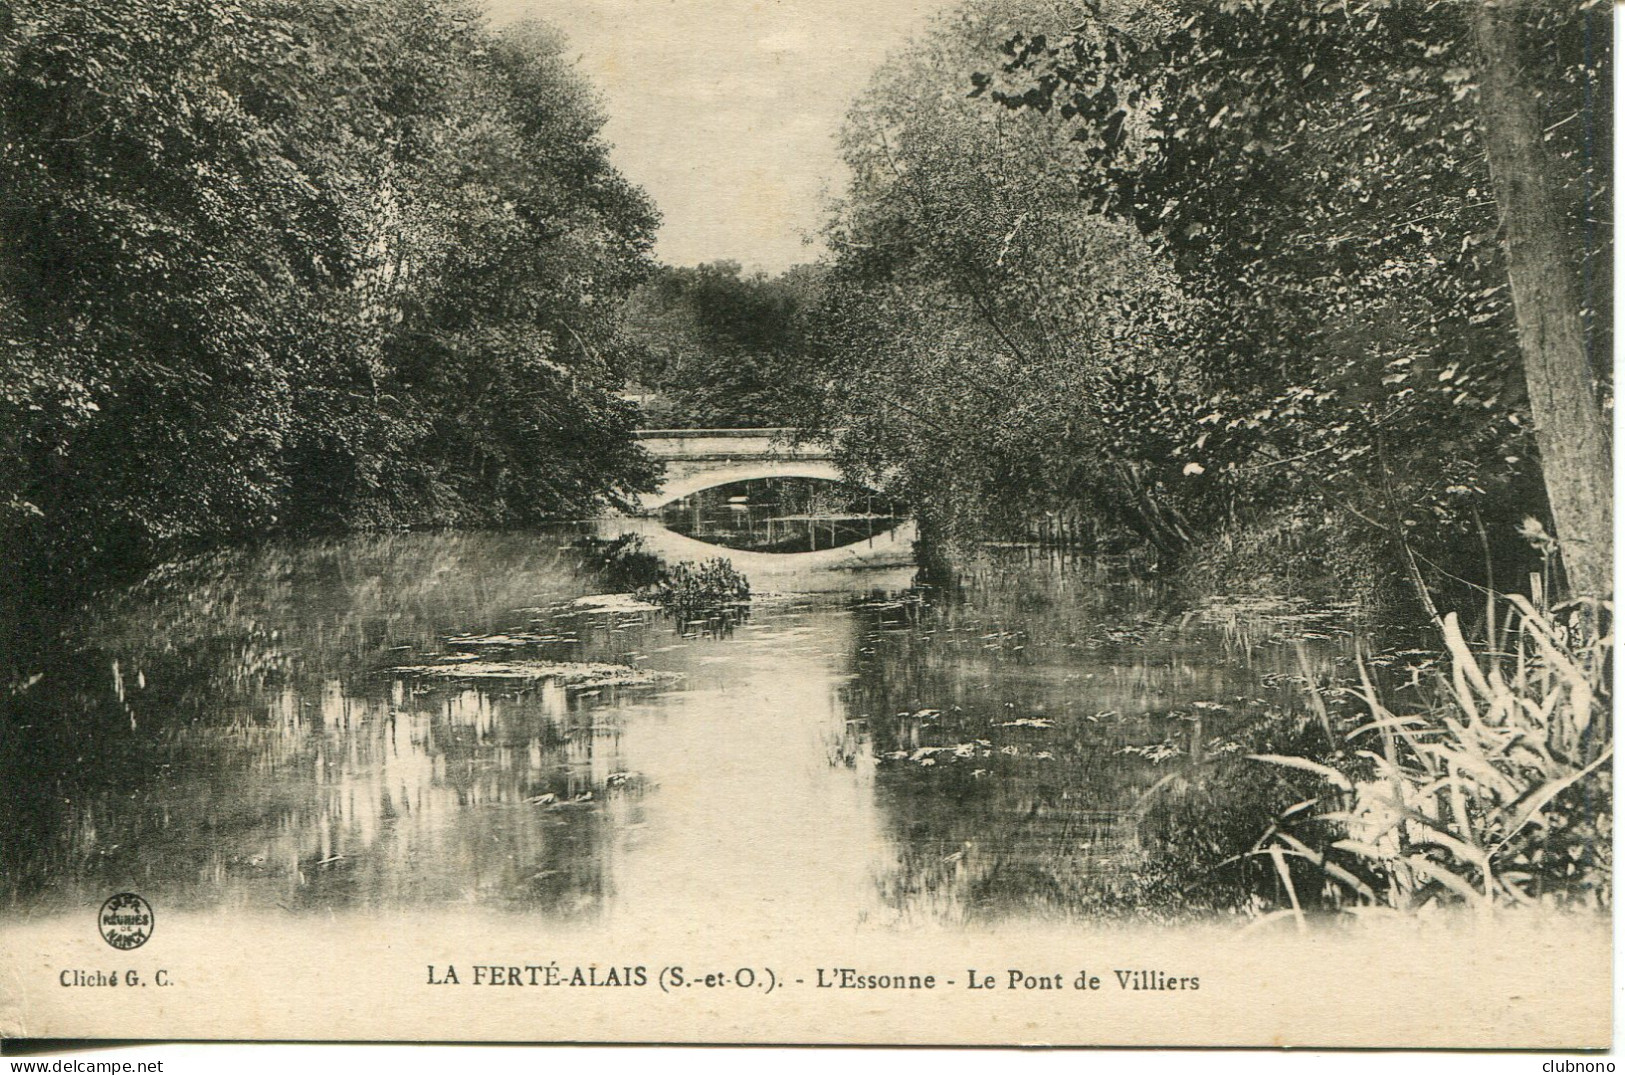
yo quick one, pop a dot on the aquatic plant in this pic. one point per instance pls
(1495, 792)
(689, 590)
(710, 590)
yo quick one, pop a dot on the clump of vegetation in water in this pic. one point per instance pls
(1495, 793)
(708, 591)
(694, 590)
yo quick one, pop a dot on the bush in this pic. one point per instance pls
(693, 591)
(711, 591)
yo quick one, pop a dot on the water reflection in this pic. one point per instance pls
(239, 732)
(783, 515)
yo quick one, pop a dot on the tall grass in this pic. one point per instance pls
(1495, 791)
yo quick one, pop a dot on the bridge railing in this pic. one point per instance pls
(730, 444)
(766, 433)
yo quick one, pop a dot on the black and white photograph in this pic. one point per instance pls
(808, 522)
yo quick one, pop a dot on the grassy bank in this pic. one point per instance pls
(1492, 788)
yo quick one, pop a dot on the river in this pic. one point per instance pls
(1046, 738)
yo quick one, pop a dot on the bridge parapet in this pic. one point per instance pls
(719, 444)
(702, 458)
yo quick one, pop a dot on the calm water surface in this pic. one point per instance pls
(237, 732)
(783, 515)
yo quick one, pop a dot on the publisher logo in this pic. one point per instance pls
(125, 921)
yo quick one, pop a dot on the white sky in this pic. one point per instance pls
(726, 111)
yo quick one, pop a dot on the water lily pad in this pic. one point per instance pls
(572, 674)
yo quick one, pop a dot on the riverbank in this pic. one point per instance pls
(1035, 734)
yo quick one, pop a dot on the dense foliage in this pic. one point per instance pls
(713, 347)
(274, 264)
(1218, 270)
(984, 336)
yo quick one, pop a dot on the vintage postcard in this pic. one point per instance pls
(835, 522)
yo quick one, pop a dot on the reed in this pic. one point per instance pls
(1495, 791)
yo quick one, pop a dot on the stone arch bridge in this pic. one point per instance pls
(698, 459)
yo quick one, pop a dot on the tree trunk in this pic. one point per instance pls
(1570, 428)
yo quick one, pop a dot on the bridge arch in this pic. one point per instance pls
(745, 470)
(700, 459)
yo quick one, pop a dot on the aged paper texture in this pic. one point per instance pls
(1024, 522)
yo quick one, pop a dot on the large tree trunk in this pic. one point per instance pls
(1570, 428)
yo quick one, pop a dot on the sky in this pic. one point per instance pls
(727, 111)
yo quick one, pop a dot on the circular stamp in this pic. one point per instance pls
(125, 921)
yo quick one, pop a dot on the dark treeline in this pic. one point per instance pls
(712, 346)
(1245, 283)
(277, 265)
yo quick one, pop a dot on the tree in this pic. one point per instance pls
(516, 241)
(1317, 173)
(991, 350)
(1570, 425)
(146, 276)
(277, 265)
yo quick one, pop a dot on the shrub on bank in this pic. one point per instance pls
(1496, 792)
(1296, 553)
